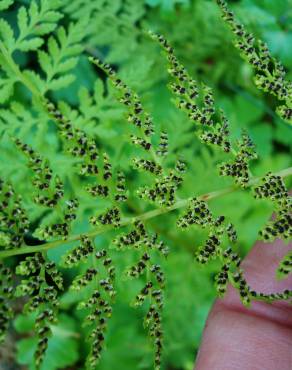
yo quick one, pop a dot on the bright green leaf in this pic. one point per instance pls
(6, 90)
(5, 4)
(61, 82)
(69, 64)
(32, 44)
(53, 47)
(22, 20)
(44, 61)
(6, 34)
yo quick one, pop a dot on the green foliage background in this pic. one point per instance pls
(114, 31)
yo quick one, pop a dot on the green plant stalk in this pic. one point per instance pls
(130, 220)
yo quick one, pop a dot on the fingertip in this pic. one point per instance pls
(259, 337)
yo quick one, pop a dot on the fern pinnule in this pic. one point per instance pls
(136, 113)
(152, 290)
(62, 56)
(14, 222)
(63, 226)
(78, 143)
(100, 280)
(42, 284)
(285, 266)
(273, 188)
(269, 72)
(50, 190)
(199, 213)
(239, 167)
(6, 295)
(163, 192)
(92, 164)
(34, 23)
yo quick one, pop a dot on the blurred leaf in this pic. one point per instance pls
(279, 43)
(62, 348)
(24, 323)
(4, 4)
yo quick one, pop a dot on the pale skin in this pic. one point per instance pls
(255, 338)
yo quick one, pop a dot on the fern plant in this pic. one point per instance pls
(77, 189)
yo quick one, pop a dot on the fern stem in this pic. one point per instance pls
(130, 220)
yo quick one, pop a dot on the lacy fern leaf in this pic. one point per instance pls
(99, 194)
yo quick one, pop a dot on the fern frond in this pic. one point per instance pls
(87, 191)
(203, 112)
(213, 126)
(164, 190)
